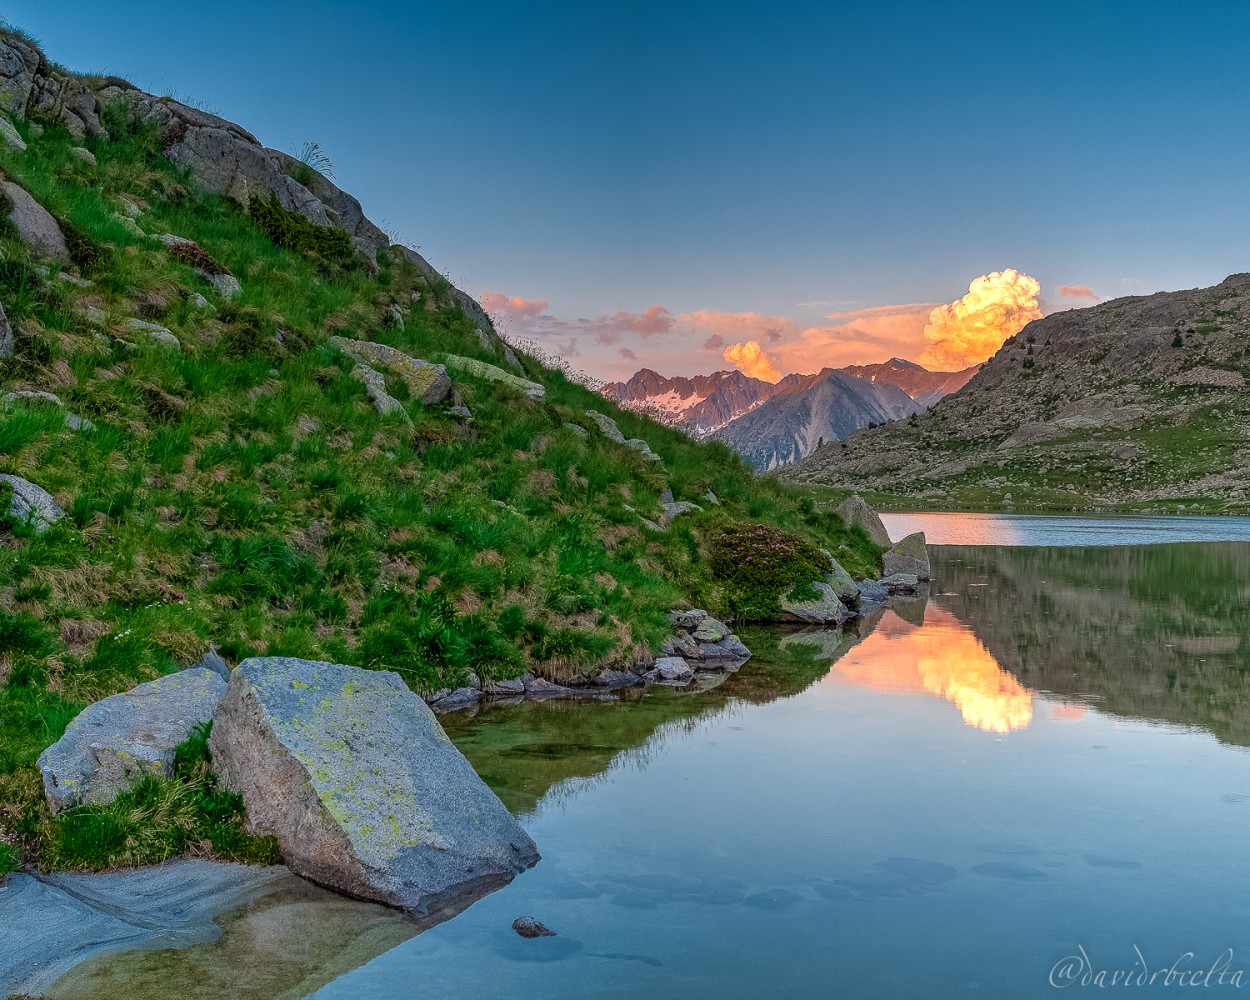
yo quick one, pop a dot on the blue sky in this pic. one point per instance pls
(719, 160)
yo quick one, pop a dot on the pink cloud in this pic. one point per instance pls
(626, 353)
(512, 306)
(1077, 292)
(742, 325)
(714, 343)
(655, 320)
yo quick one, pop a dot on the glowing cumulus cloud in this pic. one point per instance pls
(753, 360)
(970, 329)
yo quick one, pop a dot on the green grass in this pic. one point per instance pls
(244, 491)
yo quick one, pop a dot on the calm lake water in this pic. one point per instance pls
(1046, 759)
(1055, 529)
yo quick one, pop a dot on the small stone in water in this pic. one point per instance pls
(528, 927)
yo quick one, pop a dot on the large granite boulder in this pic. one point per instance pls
(34, 224)
(19, 63)
(909, 556)
(31, 503)
(427, 382)
(855, 510)
(353, 775)
(826, 608)
(480, 369)
(842, 582)
(115, 742)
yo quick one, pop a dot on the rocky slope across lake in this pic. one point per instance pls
(363, 790)
(1137, 403)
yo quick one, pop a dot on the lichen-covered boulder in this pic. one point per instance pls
(480, 369)
(826, 608)
(31, 503)
(34, 224)
(855, 510)
(353, 775)
(607, 426)
(427, 382)
(112, 744)
(909, 555)
(842, 582)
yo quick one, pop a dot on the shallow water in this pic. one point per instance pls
(1053, 529)
(1048, 759)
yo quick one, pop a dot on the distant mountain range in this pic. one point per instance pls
(776, 424)
(1136, 404)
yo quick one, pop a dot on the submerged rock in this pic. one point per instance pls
(115, 742)
(31, 503)
(900, 583)
(528, 927)
(671, 670)
(855, 510)
(909, 555)
(353, 775)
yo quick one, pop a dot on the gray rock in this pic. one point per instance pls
(611, 680)
(461, 413)
(711, 498)
(457, 699)
(842, 582)
(666, 497)
(730, 649)
(672, 510)
(34, 224)
(375, 388)
(9, 135)
(908, 556)
(540, 687)
(607, 425)
(112, 744)
(576, 430)
(855, 510)
(130, 208)
(651, 525)
(156, 332)
(510, 357)
(353, 775)
(900, 583)
(509, 687)
(480, 369)
(687, 619)
(73, 279)
(84, 154)
(644, 449)
(73, 422)
(396, 314)
(19, 62)
(711, 630)
(825, 609)
(227, 284)
(198, 300)
(673, 670)
(428, 382)
(31, 504)
(212, 661)
(528, 927)
(77, 423)
(871, 593)
(92, 314)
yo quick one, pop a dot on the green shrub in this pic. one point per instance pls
(295, 233)
(760, 564)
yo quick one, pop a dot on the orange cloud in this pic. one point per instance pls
(742, 325)
(857, 337)
(753, 360)
(970, 329)
(511, 305)
(1076, 292)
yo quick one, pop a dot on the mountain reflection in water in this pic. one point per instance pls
(941, 657)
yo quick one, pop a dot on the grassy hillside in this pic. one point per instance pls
(244, 491)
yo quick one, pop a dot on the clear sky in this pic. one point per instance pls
(749, 169)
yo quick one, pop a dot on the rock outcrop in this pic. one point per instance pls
(854, 510)
(480, 369)
(112, 744)
(825, 608)
(427, 382)
(908, 556)
(31, 504)
(353, 775)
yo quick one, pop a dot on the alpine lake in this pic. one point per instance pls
(1035, 779)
